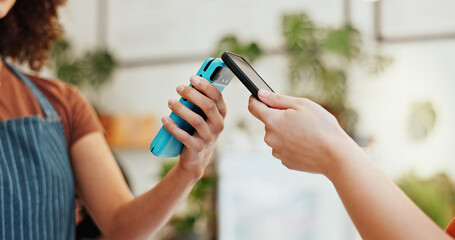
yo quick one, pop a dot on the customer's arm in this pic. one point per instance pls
(100, 184)
(305, 137)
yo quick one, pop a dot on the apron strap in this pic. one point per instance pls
(49, 112)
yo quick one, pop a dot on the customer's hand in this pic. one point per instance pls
(302, 134)
(308, 138)
(198, 147)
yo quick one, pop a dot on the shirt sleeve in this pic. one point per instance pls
(451, 228)
(84, 119)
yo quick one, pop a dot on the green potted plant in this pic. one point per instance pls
(319, 62)
(93, 70)
(251, 51)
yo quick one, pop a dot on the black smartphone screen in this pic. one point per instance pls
(243, 70)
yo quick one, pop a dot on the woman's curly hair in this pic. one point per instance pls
(29, 30)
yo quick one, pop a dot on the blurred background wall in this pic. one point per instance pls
(405, 113)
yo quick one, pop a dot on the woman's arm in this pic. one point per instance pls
(305, 137)
(100, 183)
(378, 208)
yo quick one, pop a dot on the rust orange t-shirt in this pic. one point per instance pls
(16, 100)
(451, 228)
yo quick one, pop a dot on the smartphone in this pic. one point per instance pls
(245, 73)
(165, 144)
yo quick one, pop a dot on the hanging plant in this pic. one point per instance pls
(319, 61)
(421, 120)
(94, 69)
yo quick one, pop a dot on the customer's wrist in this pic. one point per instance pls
(342, 152)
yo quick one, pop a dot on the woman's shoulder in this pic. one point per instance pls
(55, 87)
(78, 116)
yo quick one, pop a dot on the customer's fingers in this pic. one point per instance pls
(260, 110)
(276, 100)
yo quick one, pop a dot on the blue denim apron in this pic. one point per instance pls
(37, 195)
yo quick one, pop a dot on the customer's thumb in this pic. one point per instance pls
(275, 100)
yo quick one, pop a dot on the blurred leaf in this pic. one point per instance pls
(379, 64)
(422, 120)
(166, 167)
(319, 61)
(348, 119)
(61, 52)
(300, 32)
(250, 51)
(435, 195)
(98, 67)
(344, 41)
(203, 188)
(184, 225)
(70, 72)
(94, 69)
(333, 86)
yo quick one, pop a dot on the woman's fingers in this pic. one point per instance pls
(181, 135)
(191, 117)
(206, 104)
(211, 92)
(209, 99)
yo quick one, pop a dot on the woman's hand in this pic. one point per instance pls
(302, 134)
(198, 147)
